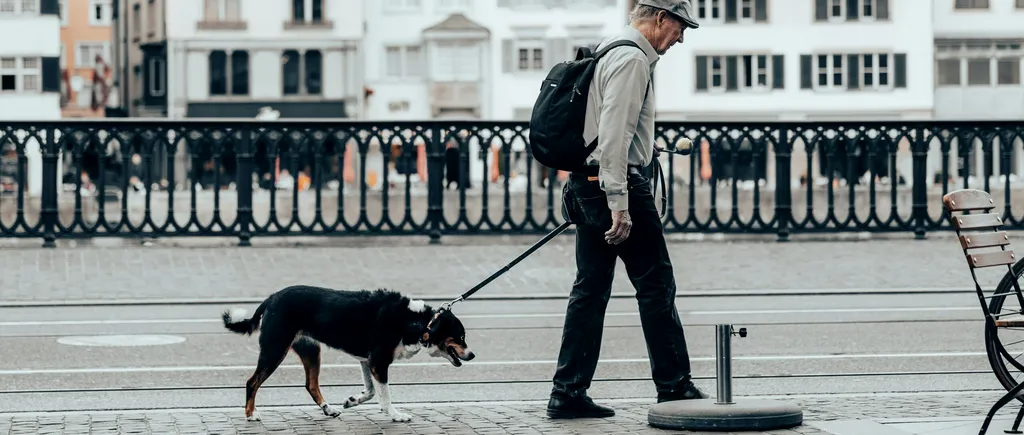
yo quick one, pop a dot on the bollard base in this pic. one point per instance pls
(705, 414)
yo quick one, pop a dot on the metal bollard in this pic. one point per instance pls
(723, 362)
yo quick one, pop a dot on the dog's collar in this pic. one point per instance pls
(425, 338)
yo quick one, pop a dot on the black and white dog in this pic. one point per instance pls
(376, 327)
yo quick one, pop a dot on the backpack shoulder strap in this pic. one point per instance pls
(614, 44)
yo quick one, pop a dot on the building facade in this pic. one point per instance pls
(30, 83)
(979, 54)
(86, 52)
(474, 59)
(139, 59)
(230, 58)
(810, 59)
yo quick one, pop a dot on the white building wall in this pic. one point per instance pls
(1001, 22)
(407, 97)
(265, 36)
(792, 31)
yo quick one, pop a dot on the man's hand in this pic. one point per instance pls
(621, 225)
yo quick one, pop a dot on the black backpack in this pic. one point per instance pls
(556, 125)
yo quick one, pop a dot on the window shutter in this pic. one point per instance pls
(805, 71)
(557, 51)
(853, 71)
(900, 63)
(778, 72)
(820, 10)
(730, 11)
(508, 57)
(50, 7)
(50, 68)
(761, 10)
(702, 73)
(851, 9)
(732, 81)
(882, 9)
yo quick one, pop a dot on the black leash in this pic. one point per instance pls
(686, 150)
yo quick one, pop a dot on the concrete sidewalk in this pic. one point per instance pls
(881, 414)
(151, 273)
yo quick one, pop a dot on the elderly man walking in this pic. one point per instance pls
(613, 207)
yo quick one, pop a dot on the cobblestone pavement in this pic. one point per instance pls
(88, 273)
(519, 419)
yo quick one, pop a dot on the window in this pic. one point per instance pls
(456, 61)
(756, 71)
(1020, 4)
(401, 4)
(948, 72)
(739, 73)
(20, 74)
(971, 4)
(876, 71)
(225, 76)
(308, 10)
(987, 62)
(314, 72)
(530, 55)
(715, 72)
(731, 11)
(835, 8)
(402, 61)
(100, 12)
(157, 70)
(453, 4)
(87, 51)
(222, 11)
(63, 13)
(828, 68)
(302, 69)
(19, 6)
(1008, 71)
(710, 10)
(851, 10)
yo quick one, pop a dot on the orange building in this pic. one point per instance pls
(85, 35)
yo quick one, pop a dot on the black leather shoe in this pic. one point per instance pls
(576, 407)
(689, 392)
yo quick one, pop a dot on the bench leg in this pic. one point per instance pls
(1016, 422)
(1010, 395)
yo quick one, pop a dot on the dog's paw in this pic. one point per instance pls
(330, 411)
(350, 402)
(254, 417)
(399, 416)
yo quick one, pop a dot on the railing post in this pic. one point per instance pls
(435, 184)
(243, 154)
(783, 194)
(920, 192)
(49, 209)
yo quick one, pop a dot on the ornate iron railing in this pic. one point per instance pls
(245, 178)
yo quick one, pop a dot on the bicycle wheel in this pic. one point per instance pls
(1005, 305)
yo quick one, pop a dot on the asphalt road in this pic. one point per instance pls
(809, 344)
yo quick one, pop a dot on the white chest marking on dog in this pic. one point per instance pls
(406, 351)
(417, 305)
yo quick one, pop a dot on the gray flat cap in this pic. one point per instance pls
(681, 9)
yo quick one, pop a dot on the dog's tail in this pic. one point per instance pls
(235, 320)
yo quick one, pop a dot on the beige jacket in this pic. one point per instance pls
(619, 116)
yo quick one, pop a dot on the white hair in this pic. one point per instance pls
(641, 13)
